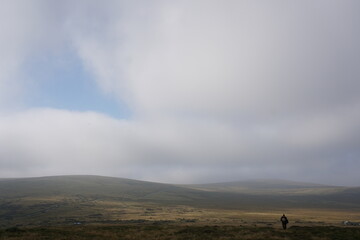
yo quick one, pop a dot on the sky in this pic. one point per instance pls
(181, 91)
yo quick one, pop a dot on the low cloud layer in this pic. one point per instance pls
(218, 91)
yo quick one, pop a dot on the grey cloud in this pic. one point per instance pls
(218, 91)
(273, 59)
(46, 142)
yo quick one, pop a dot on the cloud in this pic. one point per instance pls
(27, 29)
(229, 60)
(218, 91)
(53, 142)
(12, 41)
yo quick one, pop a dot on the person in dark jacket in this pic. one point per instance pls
(284, 221)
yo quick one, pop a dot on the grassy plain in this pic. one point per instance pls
(180, 232)
(70, 211)
(92, 207)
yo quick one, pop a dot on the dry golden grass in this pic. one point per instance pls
(151, 212)
(51, 212)
(179, 232)
(127, 220)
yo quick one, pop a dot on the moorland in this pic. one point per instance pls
(96, 207)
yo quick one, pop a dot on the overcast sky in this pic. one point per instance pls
(188, 91)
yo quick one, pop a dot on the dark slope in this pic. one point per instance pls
(64, 199)
(97, 187)
(264, 194)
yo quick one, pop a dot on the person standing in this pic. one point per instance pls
(284, 221)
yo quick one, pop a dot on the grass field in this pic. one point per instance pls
(93, 207)
(180, 232)
(68, 211)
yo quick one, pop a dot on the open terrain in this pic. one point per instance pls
(180, 232)
(32, 208)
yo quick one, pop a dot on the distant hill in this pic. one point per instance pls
(207, 194)
(68, 197)
(91, 186)
(269, 186)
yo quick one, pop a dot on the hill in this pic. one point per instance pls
(90, 199)
(89, 186)
(269, 186)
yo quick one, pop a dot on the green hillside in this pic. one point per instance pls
(68, 199)
(223, 195)
(89, 186)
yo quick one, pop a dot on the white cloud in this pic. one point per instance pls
(218, 91)
(26, 29)
(14, 33)
(48, 142)
(227, 60)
